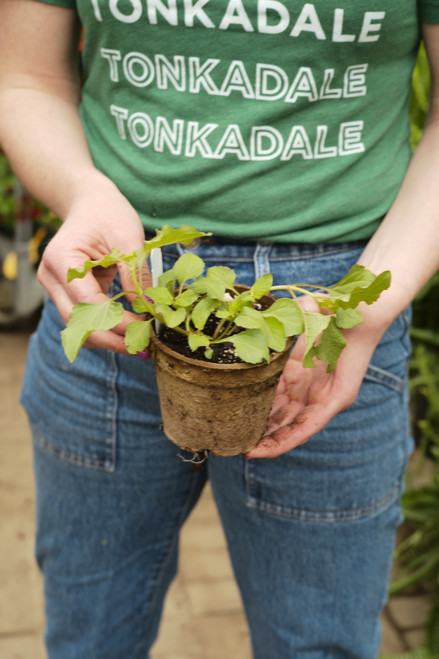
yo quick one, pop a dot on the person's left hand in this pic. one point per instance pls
(308, 398)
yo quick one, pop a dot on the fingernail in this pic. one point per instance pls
(147, 298)
(143, 354)
(247, 458)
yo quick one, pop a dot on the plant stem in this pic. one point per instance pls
(138, 288)
(223, 335)
(298, 288)
(122, 294)
(219, 327)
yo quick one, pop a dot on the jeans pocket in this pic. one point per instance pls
(72, 408)
(355, 466)
(341, 484)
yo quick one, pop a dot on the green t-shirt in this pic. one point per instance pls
(259, 119)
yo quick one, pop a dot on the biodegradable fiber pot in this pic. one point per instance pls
(222, 408)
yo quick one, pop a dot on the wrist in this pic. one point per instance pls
(91, 188)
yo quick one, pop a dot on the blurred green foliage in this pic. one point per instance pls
(15, 203)
(416, 562)
(419, 96)
(7, 200)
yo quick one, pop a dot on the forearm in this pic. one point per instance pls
(40, 128)
(44, 140)
(407, 242)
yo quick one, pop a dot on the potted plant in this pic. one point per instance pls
(217, 343)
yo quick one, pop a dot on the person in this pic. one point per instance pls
(282, 129)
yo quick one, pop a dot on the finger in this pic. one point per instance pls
(113, 339)
(107, 340)
(307, 423)
(280, 400)
(284, 415)
(89, 291)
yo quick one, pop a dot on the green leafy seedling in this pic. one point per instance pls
(188, 295)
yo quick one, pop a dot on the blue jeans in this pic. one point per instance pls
(310, 533)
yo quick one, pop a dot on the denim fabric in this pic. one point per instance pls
(310, 533)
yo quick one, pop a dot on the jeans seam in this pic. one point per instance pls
(261, 259)
(327, 517)
(379, 375)
(108, 463)
(172, 542)
(111, 415)
(70, 456)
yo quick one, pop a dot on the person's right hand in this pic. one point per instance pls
(99, 219)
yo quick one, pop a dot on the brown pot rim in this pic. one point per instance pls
(240, 366)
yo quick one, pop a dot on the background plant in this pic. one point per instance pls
(16, 204)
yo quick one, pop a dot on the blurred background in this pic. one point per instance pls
(203, 617)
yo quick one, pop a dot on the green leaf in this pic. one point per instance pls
(222, 312)
(237, 303)
(275, 334)
(188, 266)
(202, 311)
(171, 317)
(251, 346)
(166, 236)
(372, 292)
(104, 262)
(213, 288)
(184, 235)
(358, 275)
(348, 318)
(186, 299)
(289, 313)
(330, 345)
(168, 279)
(262, 286)
(141, 306)
(223, 274)
(208, 353)
(160, 295)
(315, 323)
(198, 341)
(87, 318)
(360, 285)
(250, 318)
(137, 336)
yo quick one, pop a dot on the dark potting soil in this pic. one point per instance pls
(223, 353)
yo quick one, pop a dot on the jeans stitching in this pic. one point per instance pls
(71, 456)
(320, 516)
(111, 415)
(376, 374)
(261, 260)
(185, 510)
(108, 463)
